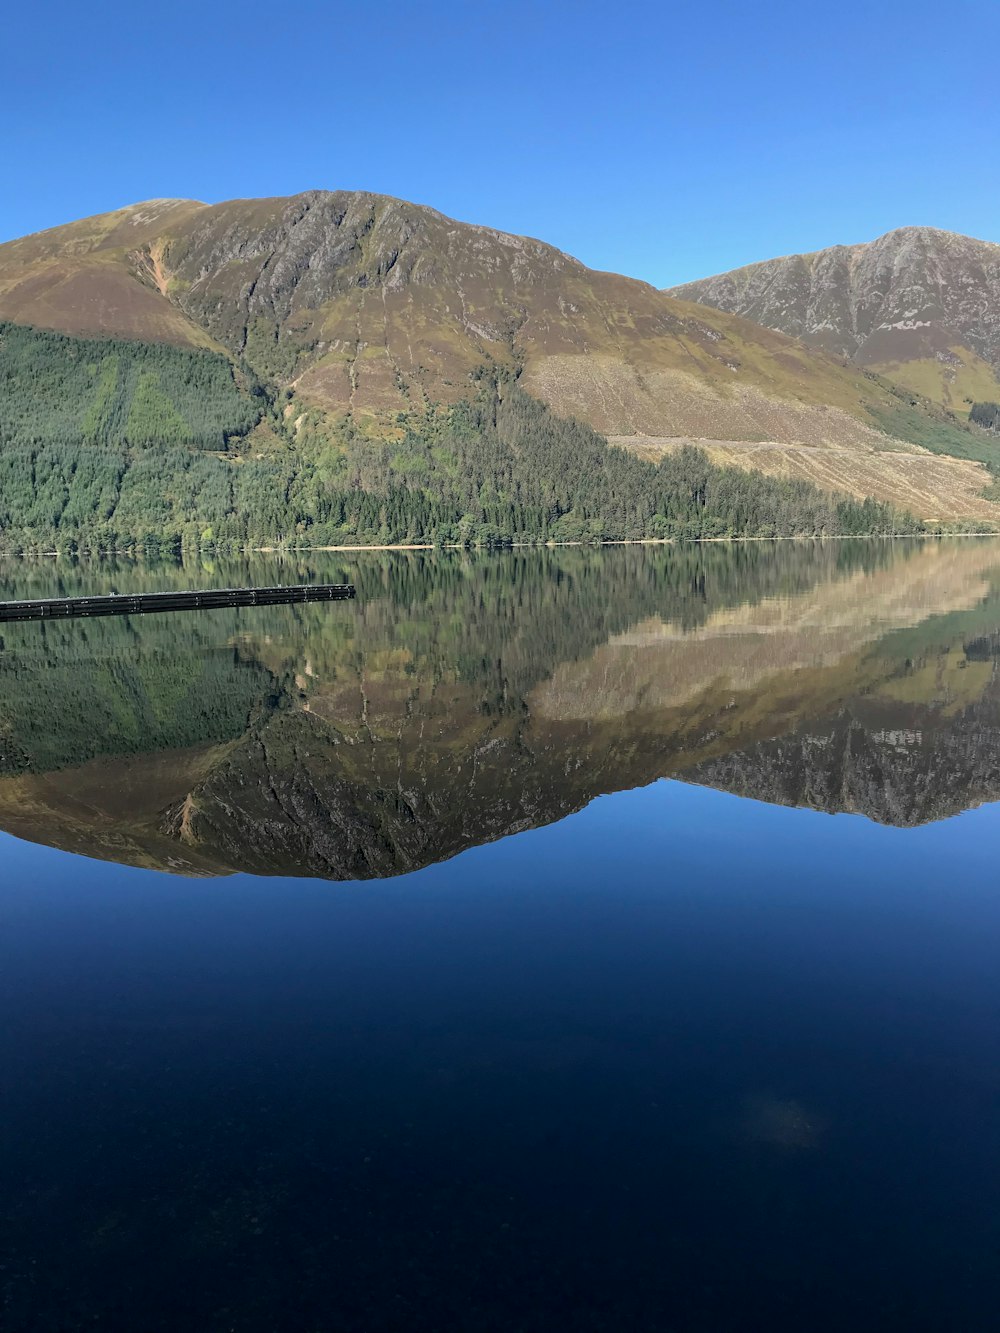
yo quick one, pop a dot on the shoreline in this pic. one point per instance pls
(630, 541)
(133, 552)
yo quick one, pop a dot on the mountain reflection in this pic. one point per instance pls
(465, 697)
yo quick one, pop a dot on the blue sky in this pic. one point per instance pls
(664, 141)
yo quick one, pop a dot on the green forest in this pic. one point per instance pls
(115, 446)
(65, 391)
(986, 415)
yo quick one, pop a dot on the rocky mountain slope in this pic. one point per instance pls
(918, 305)
(357, 305)
(367, 303)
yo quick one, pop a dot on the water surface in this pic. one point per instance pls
(565, 939)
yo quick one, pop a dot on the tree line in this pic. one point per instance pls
(986, 415)
(115, 446)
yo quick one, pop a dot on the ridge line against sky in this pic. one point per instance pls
(642, 140)
(160, 199)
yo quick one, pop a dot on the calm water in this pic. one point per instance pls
(559, 940)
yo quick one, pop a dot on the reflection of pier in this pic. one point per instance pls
(114, 604)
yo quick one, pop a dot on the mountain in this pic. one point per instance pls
(345, 317)
(919, 306)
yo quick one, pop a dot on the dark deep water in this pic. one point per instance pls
(559, 940)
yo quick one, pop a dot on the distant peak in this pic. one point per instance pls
(920, 232)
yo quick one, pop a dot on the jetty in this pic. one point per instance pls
(208, 599)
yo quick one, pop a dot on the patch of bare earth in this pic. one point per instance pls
(618, 398)
(931, 486)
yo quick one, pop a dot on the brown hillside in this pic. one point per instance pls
(365, 304)
(87, 277)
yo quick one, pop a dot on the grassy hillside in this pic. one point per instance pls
(955, 379)
(109, 445)
(99, 276)
(909, 417)
(925, 460)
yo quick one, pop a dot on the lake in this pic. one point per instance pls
(564, 939)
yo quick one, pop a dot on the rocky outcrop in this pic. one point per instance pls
(915, 295)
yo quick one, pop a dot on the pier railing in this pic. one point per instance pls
(116, 604)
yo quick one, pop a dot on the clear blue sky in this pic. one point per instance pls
(666, 141)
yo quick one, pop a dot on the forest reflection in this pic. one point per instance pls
(464, 697)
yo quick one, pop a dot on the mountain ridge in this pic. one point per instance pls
(290, 283)
(361, 311)
(918, 304)
(906, 229)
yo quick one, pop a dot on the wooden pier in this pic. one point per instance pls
(116, 604)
